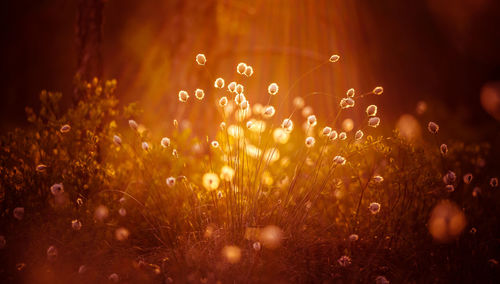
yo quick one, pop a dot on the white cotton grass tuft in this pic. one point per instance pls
(227, 173)
(310, 141)
(210, 181)
(165, 142)
(287, 125)
(443, 149)
(41, 168)
(76, 225)
(199, 94)
(344, 261)
(468, 178)
(248, 71)
(298, 102)
(334, 58)
(214, 144)
(350, 93)
(249, 124)
(231, 87)
(449, 177)
(240, 68)
(346, 103)
(223, 102)
(280, 136)
(239, 98)
(342, 135)
(52, 253)
(450, 188)
(183, 96)
(219, 83)
(57, 189)
(311, 120)
(353, 237)
(494, 182)
(333, 135)
(65, 128)
(359, 134)
(222, 126)
(201, 59)
(117, 140)
(18, 213)
(374, 121)
(433, 127)
(339, 160)
(374, 207)
(133, 124)
(145, 146)
(272, 89)
(371, 110)
(269, 112)
(378, 90)
(239, 89)
(378, 179)
(170, 181)
(326, 131)
(122, 211)
(257, 246)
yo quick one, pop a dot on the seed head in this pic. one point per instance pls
(373, 121)
(339, 160)
(248, 71)
(359, 135)
(223, 102)
(371, 110)
(183, 96)
(41, 168)
(444, 149)
(199, 94)
(468, 178)
(227, 173)
(232, 87)
(76, 225)
(342, 136)
(310, 141)
(201, 59)
(334, 58)
(57, 189)
(311, 120)
(268, 112)
(273, 89)
(374, 207)
(346, 103)
(239, 98)
(433, 127)
(145, 146)
(287, 125)
(344, 261)
(133, 124)
(117, 140)
(65, 128)
(350, 93)
(241, 68)
(165, 142)
(378, 90)
(494, 182)
(219, 83)
(326, 131)
(170, 181)
(210, 181)
(333, 135)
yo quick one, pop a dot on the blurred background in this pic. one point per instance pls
(443, 52)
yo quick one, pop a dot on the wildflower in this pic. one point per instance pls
(280, 136)
(378, 179)
(444, 149)
(165, 142)
(269, 111)
(170, 181)
(65, 128)
(334, 58)
(232, 87)
(298, 102)
(52, 253)
(76, 225)
(287, 125)
(257, 246)
(223, 102)
(433, 127)
(371, 110)
(114, 278)
(494, 182)
(183, 96)
(101, 213)
(219, 83)
(145, 146)
(133, 124)
(18, 213)
(326, 131)
(311, 120)
(359, 135)
(239, 99)
(353, 237)
(346, 103)
(241, 67)
(248, 71)
(333, 135)
(381, 280)
(374, 207)
(339, 160)
(310, 141)
(373, 121)
(350, 93)
(468, 178)
(450, 188)
(273, 89)
(239, 89)
(210, 181)
(215, 144)
(344, 261)
(342, 136)
(201, 59)
(227, 173)
(199, 94)
(271, 236)
(121, 234)
(307, 111)
(476, 191)
(378, 90)
(117, 140)
(449, 177)
(447, 221)
(41, 168)
(122, 212)
(232, 254)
